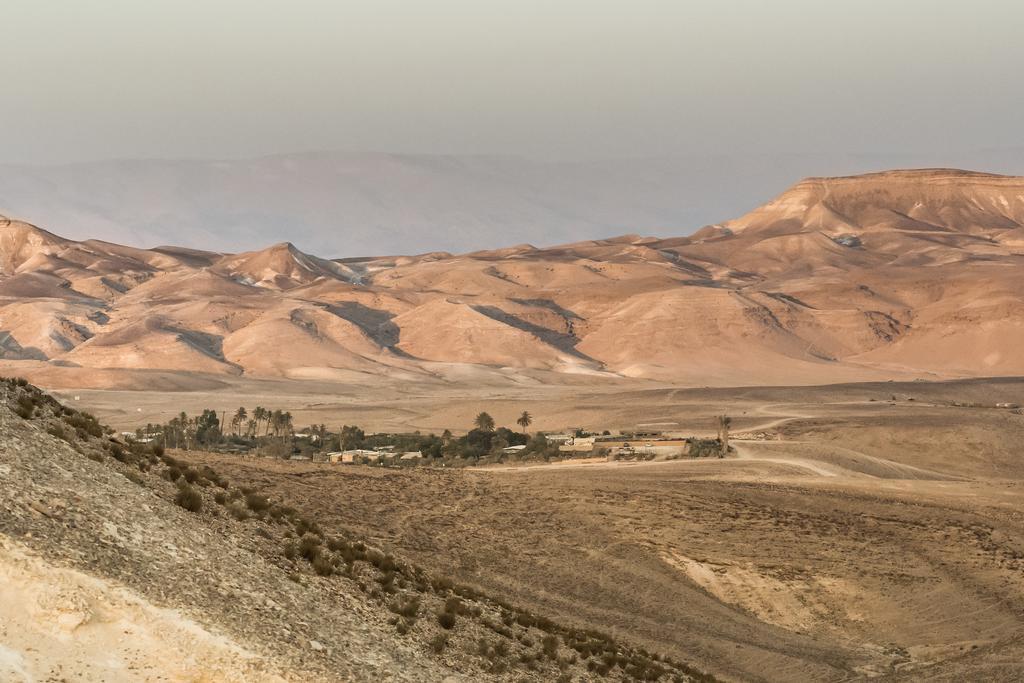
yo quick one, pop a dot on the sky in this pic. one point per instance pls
(552, 79)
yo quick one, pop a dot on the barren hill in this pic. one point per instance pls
(902, 274)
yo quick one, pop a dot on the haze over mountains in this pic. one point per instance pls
(902, 274)
(339, 204)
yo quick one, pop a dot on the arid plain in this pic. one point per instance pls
(862, 333)
(851, 536)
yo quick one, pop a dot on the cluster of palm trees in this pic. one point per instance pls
(261, 422)
(485, 423)
(180, 432)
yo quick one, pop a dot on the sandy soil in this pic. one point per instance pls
(61, 624)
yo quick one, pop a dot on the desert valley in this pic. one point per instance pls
(863, 519)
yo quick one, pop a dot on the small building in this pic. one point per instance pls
(579, 444)
(512, 450)
(558, 438)
(358, 456)
(411, 456)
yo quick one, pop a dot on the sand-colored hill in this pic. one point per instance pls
(901, 274)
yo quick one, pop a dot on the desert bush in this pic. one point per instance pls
(407, 607)
(446, 620)
(322, 565)
(304, 526)
(158, 450)
(291, 550)
(237, 511)
(211, 474)
(387, 582)
(25, 406)
(188, 498)
(549, 645)
(220, 498)
(495, 626)
(59, 432)
(439, 642)
(456, 606)
(337, 544)
(441, 584)
(173, 473)
(85, 424)
(191, 476)
(256, 502)
(309, 547)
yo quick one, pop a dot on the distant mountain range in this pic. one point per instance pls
(347, 204)
(902, 274)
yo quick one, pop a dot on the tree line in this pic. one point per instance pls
(272, 432)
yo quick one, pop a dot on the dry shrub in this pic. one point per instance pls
(188, 498)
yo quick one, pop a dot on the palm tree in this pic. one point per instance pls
(259, 414)
(238, 420)
(525, 420)
(484, 422)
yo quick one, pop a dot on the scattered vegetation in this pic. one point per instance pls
(502, 637)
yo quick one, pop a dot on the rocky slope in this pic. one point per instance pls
(118, 563)
(904, 274)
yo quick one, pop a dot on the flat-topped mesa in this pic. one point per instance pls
(924, 200)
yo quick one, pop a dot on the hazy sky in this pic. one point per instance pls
(93, 79)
